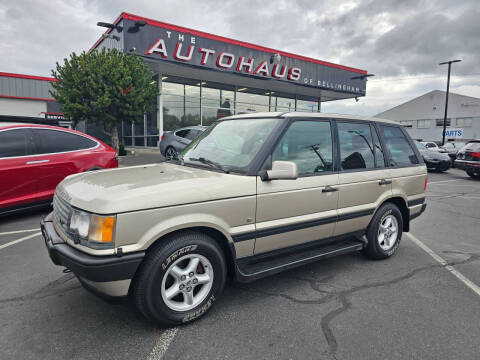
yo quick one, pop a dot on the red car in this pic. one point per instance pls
(35, 158)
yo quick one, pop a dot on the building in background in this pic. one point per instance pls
(26, 98)
(423, 116)
(203, 77)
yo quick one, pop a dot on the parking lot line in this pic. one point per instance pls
(444, 263)
(443, 181)
(18, 231)
(18, 240)
(162, 344)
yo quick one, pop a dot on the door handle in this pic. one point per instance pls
(384, 182)
(36, 162)
(328, 188)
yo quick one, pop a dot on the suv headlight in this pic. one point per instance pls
(91, 230)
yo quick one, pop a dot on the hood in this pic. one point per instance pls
(150, 186)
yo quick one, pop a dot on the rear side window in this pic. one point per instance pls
(53, 141)
(401, 153)
(14, 143)
(356, 146)
(182, 133)
(472, 146)
(192, 134)
(309, 145)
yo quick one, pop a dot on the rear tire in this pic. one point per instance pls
(171, 153)
(473, 175)
(384, 232)
(180, 279)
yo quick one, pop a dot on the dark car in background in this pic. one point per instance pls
(173, 142)
(435, 161)
(35, 158)
(468, 159)
(452, 149)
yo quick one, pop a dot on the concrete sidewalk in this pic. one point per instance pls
(140, 157)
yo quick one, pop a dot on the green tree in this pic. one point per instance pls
(104, 86)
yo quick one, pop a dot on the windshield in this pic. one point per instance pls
(420, 146)
(230, 144)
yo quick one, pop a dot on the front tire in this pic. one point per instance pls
(384, 232)
(180, 279)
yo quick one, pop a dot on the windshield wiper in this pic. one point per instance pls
(211, 163)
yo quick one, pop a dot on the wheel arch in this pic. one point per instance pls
(401, 203)
(218, 236)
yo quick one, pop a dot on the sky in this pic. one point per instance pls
(400, 41)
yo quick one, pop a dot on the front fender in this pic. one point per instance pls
(138, 232)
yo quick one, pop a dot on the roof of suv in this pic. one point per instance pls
(306, 114)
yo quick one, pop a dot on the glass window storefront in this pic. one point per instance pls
(181, 105)
(307, 106)
(188, 102)
(284, 104)
(250, 102)
(216, 103)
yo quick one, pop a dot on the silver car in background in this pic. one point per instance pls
(173, 142)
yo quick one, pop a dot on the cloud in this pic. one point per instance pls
(401, 42)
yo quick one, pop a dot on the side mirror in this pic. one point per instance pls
(282, 170)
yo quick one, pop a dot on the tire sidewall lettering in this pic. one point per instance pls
(197, 313)
(176, 254)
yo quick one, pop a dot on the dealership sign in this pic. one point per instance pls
(170, 43)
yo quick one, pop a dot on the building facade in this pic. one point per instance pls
(27, 98)
(423, 116)
(203, 77)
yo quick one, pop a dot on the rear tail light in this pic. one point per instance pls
(116, 156)
(425, 187)
(476, 154)
(161, 137)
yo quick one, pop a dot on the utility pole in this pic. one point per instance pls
(446, 97)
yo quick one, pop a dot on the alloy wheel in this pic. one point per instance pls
(387, 232)
(187, 282)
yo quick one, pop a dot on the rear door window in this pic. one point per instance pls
(401, 153)
(356, 146)
(309, 145)
(15, 142)
(56, 141)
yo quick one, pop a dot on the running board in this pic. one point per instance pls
(254, 267)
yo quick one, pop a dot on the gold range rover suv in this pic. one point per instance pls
(252, 196)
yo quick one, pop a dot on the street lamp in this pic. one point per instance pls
(362, 77)
(446, 97)
(110, 26)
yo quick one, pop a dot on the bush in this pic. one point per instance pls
(121, 150)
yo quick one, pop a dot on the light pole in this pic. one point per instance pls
(446, 97)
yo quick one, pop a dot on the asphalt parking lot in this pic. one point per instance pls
(412, 306)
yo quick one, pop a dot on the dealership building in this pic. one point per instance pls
(27, 98)
(423, 116)
(203, 77)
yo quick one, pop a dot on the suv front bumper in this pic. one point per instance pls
(105, 275)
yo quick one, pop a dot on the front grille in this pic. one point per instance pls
(61, 213)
